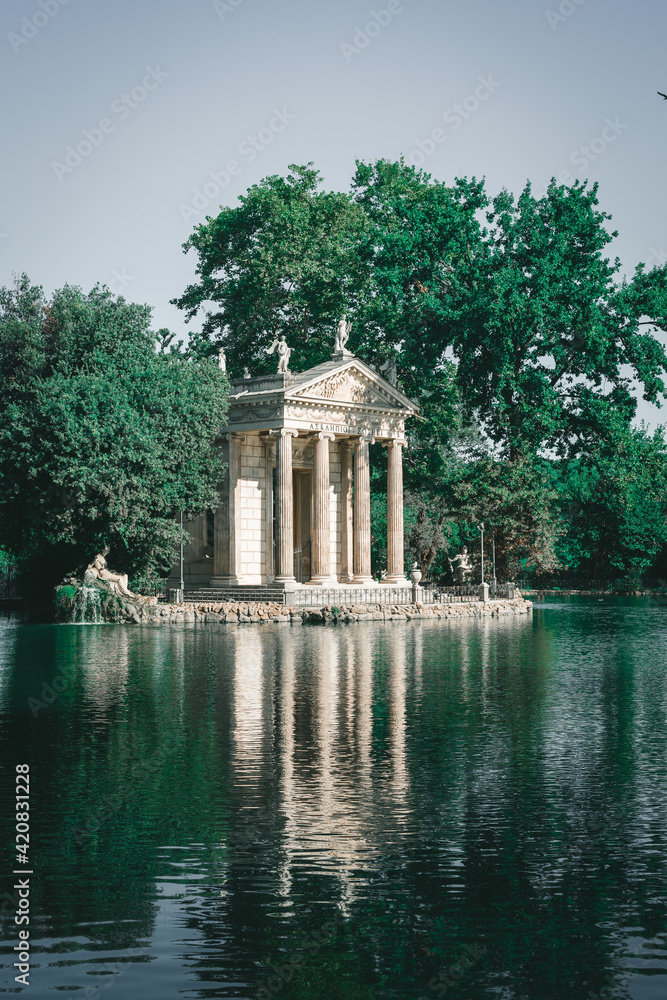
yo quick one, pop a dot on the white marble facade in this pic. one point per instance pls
(295, 498)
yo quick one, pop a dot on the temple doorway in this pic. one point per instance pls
(302, 485)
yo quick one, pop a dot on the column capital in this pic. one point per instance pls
(284, 432)
(394, 443)
(323, 436)
(368, 438)
(234, 436)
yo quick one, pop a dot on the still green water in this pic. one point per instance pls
(374, 810)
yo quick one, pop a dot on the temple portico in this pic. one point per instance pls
(295, 505)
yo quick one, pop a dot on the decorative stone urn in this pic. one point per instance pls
(415, 575)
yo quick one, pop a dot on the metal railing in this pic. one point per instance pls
(235, 595)
(320, 597)
(453, 595)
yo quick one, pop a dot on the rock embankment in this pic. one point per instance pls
(236, 613)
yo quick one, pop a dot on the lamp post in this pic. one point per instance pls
(493, 542)
(181, 584)
(481, 528)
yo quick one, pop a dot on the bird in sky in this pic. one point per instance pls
(664, 96)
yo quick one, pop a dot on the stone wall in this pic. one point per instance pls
(252, 498)
(229, 613)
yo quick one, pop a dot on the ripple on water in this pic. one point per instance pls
(375, 803)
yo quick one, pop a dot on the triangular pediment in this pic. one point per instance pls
(350, 383)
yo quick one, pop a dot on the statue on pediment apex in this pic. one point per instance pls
(342, 334)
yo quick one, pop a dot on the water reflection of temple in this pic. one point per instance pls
(342, 789)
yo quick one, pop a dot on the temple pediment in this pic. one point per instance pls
(351, 383)
(343, 395)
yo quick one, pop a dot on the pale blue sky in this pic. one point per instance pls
(558, 76)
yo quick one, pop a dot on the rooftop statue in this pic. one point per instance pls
(117, 582)
(464, 568)
(390, 368)
(283, 352)
(342, 334)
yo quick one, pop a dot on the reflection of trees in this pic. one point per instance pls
(437, 784)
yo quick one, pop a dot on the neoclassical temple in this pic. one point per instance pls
(295, 502)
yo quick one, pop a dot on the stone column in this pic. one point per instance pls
(284, 570)
(227, 541)
(362, 512)
(395, 557)
(346, 529)
(320, 572)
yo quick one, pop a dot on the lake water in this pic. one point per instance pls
(471, 809)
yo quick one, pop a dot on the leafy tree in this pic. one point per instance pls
(614, 502)
(518, 499)
(102, 440)
(418, 232)
(546, 340)
(283, 261)
(502, 314)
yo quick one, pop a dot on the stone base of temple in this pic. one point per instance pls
(208, 611)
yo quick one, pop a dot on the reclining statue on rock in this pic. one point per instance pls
(116, 582)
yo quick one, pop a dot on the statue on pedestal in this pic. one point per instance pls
(117, 582)
(390, 368)
(222, 360)
(342, 335)
(463, 570)
(283, 352)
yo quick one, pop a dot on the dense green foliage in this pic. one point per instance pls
(103, 440)
(284, 261)
(613, 503)
(510, 327)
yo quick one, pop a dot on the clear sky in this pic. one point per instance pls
(171, 92)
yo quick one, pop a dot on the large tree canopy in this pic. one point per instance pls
(501, 313)
(546, 340)
(614, 504)
(283, 261)
(518, 294)
(102, 439)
